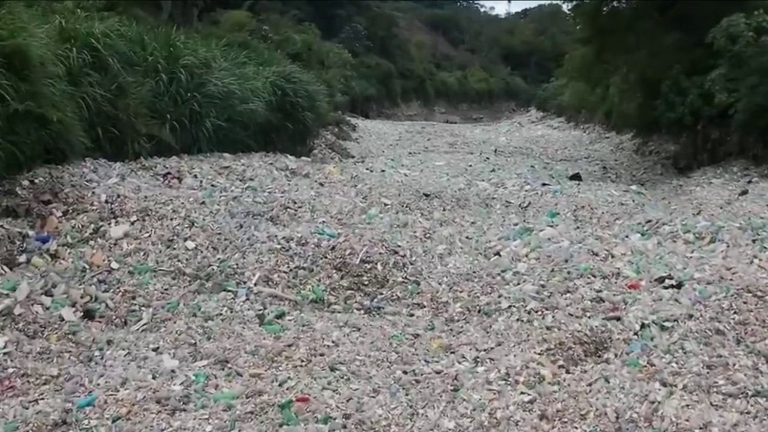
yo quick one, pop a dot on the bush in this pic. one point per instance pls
(449, 86)
(38, 120)
(104, 86)
(126, 79)
(381, 77)
(516, 89)
(724, 111)
(697, 73)
(331, 64)
(738, 80)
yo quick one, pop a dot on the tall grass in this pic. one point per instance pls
(38, 120)
(100, 85)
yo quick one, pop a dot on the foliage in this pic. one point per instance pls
(689, 68)
(332, 65)
(38, 123)
(78, 83)
(737, 83)
(536, 41)
(135, 78)
(372, 54)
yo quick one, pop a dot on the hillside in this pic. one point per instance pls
(450, 51)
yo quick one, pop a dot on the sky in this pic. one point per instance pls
(501, 6)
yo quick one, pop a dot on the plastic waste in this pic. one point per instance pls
(634, 363)
(302, 398)
(272, 328)
(286, 412)
(226, 397)
(372, 214)
(522, 232)
(87, 401)
(43, 239)
(325, 420)
(326, 232)
(9, 285)
(200, 378)
(636, 347)
(11, 426)
(552, 216)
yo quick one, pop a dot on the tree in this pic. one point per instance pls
(690, 68)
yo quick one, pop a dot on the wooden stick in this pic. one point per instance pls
(359, 257)
(10, 228)
(276, 293)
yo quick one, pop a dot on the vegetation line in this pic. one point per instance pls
(128, 79)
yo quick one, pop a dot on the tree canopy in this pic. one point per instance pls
(689, 68)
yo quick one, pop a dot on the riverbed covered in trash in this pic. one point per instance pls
(525, 274)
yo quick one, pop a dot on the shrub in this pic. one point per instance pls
(738, 80)
(697, 73)
(482, 87)
(516, 89)
(449, 86)
(38, 120)
(100, 85)
(331, 64)
(178, 93)
(379, 75)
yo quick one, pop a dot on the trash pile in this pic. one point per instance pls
(517, 275)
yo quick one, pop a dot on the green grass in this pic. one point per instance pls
(75, 83)
(107, 79)
(38, 120)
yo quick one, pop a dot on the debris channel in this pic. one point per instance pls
(522, 275)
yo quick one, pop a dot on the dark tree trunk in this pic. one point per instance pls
(181, 12)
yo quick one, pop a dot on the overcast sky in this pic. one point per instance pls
(501, 6)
